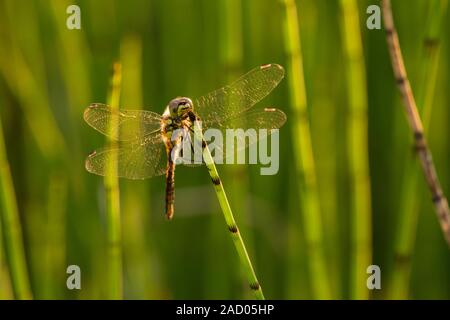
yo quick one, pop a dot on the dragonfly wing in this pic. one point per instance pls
(137, 160)
(129, 124)
(240, 95)
(243, 130)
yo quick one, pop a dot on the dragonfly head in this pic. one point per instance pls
(180, 106)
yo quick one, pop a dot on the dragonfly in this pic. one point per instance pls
(147, 145)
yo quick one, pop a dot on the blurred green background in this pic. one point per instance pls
(311, 230)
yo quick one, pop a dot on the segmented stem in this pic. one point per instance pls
(113, 220)
(424, 153)
(228, 215)
(409, 202)
(361, 215)
(304, 160)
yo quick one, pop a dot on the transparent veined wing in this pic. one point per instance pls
(257, 118)
(241, 131)
(240, 95)
(129, 124)
(136, 160)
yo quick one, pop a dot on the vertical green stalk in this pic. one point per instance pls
(140, 267)
(361, 226)
(78, 88)
(21, 65)
(111, 181)
(231, 37)
(304, 159)
(12, 230)
(55, 237)
(32, 99)
(409, 201)
(231, 56)
(229, 218)
(5, 281)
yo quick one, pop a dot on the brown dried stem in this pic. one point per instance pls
(424, 153)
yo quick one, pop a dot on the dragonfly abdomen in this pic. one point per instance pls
(170, 189)
(173, 150)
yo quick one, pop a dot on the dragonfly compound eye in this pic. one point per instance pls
(179, 105)
(184, 104)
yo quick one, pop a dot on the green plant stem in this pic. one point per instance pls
(5, 289)
(304, 159)
(143, 282)
(231, 37)
(409, 201)
(229, 218)
(111, 181)
(231, 55)
(55, 248)
(357, 135)
(12, 230)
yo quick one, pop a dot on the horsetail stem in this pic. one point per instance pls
(231, 54)
(304, 158)
(409, 202)
(357, 135)
(111, 181)
(415, 122)
(228, 215)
